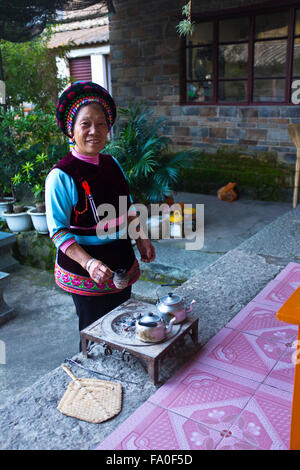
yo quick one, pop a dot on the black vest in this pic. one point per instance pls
(106, 182)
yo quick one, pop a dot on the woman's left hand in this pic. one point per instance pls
(146, 249)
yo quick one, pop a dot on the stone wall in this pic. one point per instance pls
(146, 63)
(34, 249)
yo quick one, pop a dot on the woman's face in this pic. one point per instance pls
(90, 130)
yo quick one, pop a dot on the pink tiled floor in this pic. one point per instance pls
(236, 393)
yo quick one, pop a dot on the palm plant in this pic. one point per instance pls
(142, 151)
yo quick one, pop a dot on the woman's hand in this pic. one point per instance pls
(146, 249)
(99, 272)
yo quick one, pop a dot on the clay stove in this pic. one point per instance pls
(116, 331)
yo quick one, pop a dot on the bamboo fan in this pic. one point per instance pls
(294, 133)
(91, 400)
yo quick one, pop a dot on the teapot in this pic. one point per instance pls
(172, 306)
(151, 328)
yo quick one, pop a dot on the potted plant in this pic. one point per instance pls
(143, 152)
(17, 218)
(9, 160)
(34, 139)
(38, 214)
(6, 201)
(34, 173)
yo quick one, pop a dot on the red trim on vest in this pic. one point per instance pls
(86, 187)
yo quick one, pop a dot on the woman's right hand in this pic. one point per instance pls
(99, 272)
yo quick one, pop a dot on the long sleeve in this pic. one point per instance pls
(61, 196)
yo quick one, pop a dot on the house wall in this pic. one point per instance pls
(145, 65)
(98, 64)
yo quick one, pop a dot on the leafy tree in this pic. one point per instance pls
(31, 73)
(22, 138)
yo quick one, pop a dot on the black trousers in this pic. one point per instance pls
(89, 309)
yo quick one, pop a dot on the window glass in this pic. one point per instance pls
(269, 90)
(236, 90)
(270, 58)
(218, 68)
(297, 24)
(199, 63)
(233, 61)
(232, 30)
(296, 61)
(200, 91)
(274, 25)
(203, 34)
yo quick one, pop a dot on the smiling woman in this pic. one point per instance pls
(90, 130)
(78, 184)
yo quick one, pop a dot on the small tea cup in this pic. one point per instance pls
(120, 278)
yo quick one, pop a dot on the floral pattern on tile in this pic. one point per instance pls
(260, 320)
(240, 353)
(231, 443)
(154, 428)
(290, 275)
(211, 403)
(282, 376)
(207, 395)
(275, 294)
(265, 421)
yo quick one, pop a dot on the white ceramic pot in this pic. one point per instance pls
(39, 220)
(4, 205)
(19, 222)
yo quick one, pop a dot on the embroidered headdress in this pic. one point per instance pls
(75, 96)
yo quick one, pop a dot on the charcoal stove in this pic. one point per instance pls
(116, 331)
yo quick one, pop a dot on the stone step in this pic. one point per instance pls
(145, 291)
(6, 312)
(174, 264)
(7, 262)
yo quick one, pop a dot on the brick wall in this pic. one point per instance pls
(145, 65)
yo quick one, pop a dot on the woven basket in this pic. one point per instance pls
(91, 400)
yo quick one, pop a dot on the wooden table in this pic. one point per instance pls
(101, 331)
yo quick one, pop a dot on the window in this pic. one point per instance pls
(243, 59)
(80, 68)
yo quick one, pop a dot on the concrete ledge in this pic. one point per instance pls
(31, 421)
(6, 312)
(7, 262)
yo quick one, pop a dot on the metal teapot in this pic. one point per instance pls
(172, 306)
(151, 328)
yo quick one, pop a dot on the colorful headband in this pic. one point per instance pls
(78, 94)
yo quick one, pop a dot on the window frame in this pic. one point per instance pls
(249, 11)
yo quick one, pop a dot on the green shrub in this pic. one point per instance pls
(22, 138)
(259, 175)
(142, 151)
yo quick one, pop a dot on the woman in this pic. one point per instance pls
(75, 187)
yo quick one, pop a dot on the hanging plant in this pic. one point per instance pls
(186, 26)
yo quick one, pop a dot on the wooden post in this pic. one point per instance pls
(290, 313)
(294, 133)
(296, 185)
